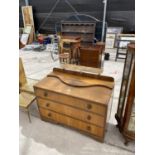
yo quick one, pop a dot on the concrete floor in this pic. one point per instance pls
(42, 138)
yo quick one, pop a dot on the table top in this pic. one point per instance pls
(84, 86)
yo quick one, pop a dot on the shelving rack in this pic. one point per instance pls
(85, 30)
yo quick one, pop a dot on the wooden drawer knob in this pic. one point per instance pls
(89, 128)
(88, 117)
(45, 94)
(49, 114)
(89, 106)
(47, 104)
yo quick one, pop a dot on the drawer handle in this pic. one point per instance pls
(45, 94)
(89, 117)
(49, 114)
(89, 106)
(89, 128)
(47, 105)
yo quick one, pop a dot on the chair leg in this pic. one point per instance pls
(29, 115)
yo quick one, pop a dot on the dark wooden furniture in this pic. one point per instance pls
(91, 56)
(85, 30)
(125, 115)
(76, 99)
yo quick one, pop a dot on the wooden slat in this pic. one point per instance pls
(22, 76)
(28, 17)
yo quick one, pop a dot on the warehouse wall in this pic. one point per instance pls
(119, 13)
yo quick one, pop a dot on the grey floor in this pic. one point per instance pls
(42, 138)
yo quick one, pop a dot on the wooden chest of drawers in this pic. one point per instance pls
(78, 100)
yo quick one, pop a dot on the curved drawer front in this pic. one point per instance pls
(72, 112)
(94, 130)
(68, 100)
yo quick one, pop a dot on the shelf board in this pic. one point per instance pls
(77, 32)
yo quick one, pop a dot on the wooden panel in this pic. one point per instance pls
(85, 30)
(27, 14)
(81, 68)
(25, 99)
(72, 122)
(22, 77)
(72, 112)
(84, 105)
(98, 94)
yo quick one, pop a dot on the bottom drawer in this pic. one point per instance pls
(92, 129)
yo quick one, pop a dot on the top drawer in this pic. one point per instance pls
(75, 102)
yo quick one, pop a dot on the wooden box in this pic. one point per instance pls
(75, 99)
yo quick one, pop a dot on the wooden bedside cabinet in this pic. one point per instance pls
(75, 99)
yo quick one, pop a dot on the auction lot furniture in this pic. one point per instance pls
(112, 35)
(91, 56)
(72, 44)
(25, 100)
(125, 115)
(76, 99)
(84, 30)
(25, 85)
(122, 41)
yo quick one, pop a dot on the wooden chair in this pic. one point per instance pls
(26, 96)
(64, 58)
(25, 85)
(64, 52)
(25, 100)
(70, 44)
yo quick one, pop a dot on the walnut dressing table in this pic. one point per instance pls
(75, 99)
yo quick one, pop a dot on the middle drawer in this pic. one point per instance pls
(72, 112)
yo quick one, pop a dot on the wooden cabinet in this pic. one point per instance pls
(91, 56)
(125, 115)
(75, 99)
(85, 30)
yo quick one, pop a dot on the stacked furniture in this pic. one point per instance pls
(78, 100)
(125, 115)
(70, 45)
(84, 30)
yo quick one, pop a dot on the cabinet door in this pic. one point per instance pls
(125, 83)
(131, 124)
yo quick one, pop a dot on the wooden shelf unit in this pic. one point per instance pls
(85, 30)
